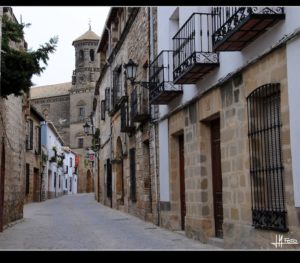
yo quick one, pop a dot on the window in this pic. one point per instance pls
(266, 168)
(71, 161)
(81, 55)
(107, 99)
(117, 82)
(132, 175)
(80, 143)
(29, 136)
(92, 54)
(103, 110)
(27, 179)
(81, 113)
(66, 184)
(38, 139)
(59, 181)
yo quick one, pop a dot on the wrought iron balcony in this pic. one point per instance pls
(193, 56)
(126, 124)
(161, 87)
(139, 104)
(236, 27)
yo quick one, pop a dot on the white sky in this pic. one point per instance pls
(66, 22)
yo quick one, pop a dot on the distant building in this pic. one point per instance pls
(69, 105)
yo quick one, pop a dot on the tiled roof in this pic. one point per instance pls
(88, 35)
(50, 90)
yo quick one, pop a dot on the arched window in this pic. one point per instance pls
(92, 55)
(81, 55)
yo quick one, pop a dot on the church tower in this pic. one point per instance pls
(84, 80)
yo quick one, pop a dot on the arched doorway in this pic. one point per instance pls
(119, 173)
(89, 182)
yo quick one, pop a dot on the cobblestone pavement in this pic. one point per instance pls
(78, 222)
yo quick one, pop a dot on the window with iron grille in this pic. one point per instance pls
(27, 178)
(107, 99)
(117, 84)
(103, 110)
(80, 143)
(266, 168)
(109, 179)
(29, 136)
(81, 113)
(132, 175)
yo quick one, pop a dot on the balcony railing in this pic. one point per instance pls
(193, 56)
(162, 89)
(236, 27)
(139, 104)
(126, 124)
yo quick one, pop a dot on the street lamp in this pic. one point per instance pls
(86, 128)
(131, 70)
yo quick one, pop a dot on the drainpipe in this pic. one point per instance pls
(151, 55)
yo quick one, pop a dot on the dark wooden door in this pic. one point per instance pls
(2, 174)
(36, 185)
(217, 177)
(182, 183)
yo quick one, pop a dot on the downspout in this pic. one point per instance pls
(151, 55)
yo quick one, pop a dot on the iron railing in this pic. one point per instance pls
(266, 168)
(227, 19)
(161, 75)
(126, 124)
(139, 104)
(193, 44)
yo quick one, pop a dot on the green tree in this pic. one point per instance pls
(17, 65)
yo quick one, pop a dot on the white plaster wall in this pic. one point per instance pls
(293, 58)
(164, 161)
(229, 61)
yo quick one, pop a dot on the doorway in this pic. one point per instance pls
(2, 175)
(181, 181)
(217, 177)
(36, 185)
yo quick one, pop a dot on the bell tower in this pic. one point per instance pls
(85, 75)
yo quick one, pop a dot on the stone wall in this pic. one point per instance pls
(13, 132)
(58, 108)
(35, 168)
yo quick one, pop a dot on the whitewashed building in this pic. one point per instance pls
(70, 171)
(53, 160)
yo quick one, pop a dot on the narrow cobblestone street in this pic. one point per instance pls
(78, 222)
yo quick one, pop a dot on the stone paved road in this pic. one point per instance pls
(78, 222)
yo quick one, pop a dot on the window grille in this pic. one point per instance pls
(266, 168)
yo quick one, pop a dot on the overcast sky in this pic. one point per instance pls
(67, 23)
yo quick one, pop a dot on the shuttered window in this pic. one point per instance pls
(266, 168)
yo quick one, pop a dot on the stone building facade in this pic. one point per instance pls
(126, 169)
(229, 176)
(13, 111)
(34, 164)
(69, 105)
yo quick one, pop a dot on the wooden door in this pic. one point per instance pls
(182, 183)
(2, 175)
(36, 185)
(217, 177)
